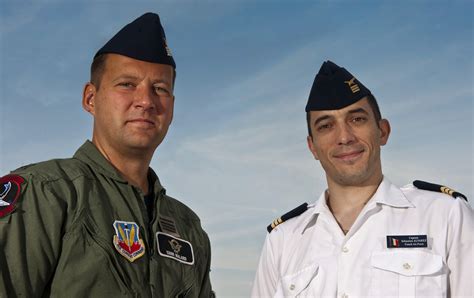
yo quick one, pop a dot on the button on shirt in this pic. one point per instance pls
(309, 256)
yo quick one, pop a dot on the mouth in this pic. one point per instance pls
(142, 122)
(349, 156)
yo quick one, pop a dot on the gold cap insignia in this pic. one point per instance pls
(354, 87)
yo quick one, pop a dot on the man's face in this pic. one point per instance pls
(133, 106)
(347, 143)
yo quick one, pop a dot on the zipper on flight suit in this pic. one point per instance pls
(147, 223)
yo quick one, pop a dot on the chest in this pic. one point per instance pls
(324, 261)
(121, 251)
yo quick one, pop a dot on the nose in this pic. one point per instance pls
(144, 98)
(345, 135)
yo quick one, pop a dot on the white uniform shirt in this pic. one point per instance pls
(309, 256)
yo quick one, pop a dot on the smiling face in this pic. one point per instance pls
(347, 143)
(133, 106)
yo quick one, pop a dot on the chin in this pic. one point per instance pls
(352, 179)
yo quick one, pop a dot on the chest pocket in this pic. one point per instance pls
(408, 273)
(297, 284)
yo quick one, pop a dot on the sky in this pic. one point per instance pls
(236, 151)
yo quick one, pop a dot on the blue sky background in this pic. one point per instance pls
(236, 152)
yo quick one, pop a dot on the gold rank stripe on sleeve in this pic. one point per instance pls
(447, 190)
(293, 213)
(276, 222)
(438, 188)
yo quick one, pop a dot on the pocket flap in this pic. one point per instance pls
(408, 263)
(293, 284)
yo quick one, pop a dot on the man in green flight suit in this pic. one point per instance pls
(100, 224)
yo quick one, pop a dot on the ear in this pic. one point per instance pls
(311, 147)
(385, 129)
(88, 98)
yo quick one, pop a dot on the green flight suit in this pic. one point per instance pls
(59, 239)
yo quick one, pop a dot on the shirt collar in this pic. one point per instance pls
(386, 194)
(389, 194)
(89, 154)
(320, 206)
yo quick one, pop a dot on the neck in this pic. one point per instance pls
(132, 167)
(346, 202)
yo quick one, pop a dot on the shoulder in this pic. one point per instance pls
(53, 180)
(41, 188)
(430, 195)
(431, 191)
(53, 170)
(438, 188)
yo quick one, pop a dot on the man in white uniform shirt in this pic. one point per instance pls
(364, 236)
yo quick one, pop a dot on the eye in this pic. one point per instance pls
(126, 85)
(161, 90)
(359, 119)
(323, 127)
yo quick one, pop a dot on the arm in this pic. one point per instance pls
(460, 259)
(206, 288)
(266, 278)
(30, 239)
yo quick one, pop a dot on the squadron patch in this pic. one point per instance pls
(175, 248)
(127, 240)
(10, 187)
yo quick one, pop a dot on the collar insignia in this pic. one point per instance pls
(127, 240)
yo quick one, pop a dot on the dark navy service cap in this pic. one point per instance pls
(143, 39)
(334, 88)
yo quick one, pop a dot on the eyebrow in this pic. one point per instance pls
(320, 119)
(358, 110)
(126, 77)
(133, 77)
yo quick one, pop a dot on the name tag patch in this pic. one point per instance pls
(175, 248)
(410, 241)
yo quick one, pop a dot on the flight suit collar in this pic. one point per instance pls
(89, 154)
(153, 178)
(386, 194)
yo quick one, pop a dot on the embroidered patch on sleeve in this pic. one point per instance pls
(10, 188)
(175, 248)
(127, 240)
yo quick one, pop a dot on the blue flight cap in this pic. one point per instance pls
(334, 88)
(143, 39)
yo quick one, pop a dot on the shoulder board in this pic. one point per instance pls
(293, 213)
(438, 188)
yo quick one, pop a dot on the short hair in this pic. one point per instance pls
(98, 67)
(97, 70)
(373, 105)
